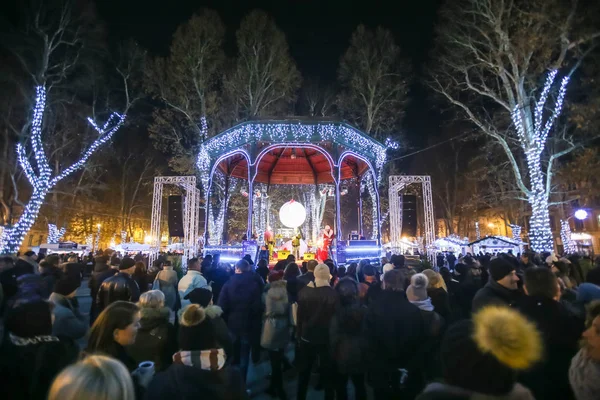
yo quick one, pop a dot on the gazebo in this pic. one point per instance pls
(321, 153)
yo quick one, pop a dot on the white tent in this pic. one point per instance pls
(133, 247)
(496, 244)
(451, 243)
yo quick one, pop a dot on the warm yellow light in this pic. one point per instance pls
(491, 225)
(148, 239)
(99, 225)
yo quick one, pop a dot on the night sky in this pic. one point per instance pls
(318, 33)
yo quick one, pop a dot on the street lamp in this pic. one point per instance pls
(581, 214)
(565, 231)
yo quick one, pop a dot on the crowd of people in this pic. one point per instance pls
(486, 326)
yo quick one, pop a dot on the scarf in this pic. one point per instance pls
(584, 376)
(424, 305)
(208, 360)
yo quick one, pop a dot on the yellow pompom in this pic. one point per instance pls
(508, 336)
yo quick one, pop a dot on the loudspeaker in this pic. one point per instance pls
(409, 215)
(175, 216)
(308, 256)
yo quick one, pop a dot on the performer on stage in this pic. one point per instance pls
(296, 245)
(327, 241)
(269, 240)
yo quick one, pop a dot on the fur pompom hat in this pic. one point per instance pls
(484, 354)
(196, 330)
(417, 290)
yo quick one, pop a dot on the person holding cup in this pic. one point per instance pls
(116, 328)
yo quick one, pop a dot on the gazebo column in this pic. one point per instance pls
(338, 218)
(251, 174)
(207, 209)
(359, 206)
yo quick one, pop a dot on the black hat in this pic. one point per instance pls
(196, 330)
(199, 296)
(483, 354)
(126, 263)
(499, 268)
(29, 316)
(66, 285)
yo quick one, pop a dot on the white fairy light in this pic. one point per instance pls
(55, 234)
(42, 180)
(565, 235)
(533, 142)
(516, 232)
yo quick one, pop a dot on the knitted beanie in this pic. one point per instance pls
(199, 296)
(499, 268)
(66, 285)
(417, 290)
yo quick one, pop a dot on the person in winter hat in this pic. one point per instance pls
(204, 298)
(317, 303)
(434, 325)
(68, 320)
(502, 288)
(481, 357)
(199, 369)
(30, 356)
(120, 287)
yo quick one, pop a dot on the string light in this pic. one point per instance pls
(55, 234)
(533, 141)
(123, 236)
(42, 181)
(477, 231)
(516, 232)
(565, 235)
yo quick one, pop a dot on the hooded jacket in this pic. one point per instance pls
(192, 280)
(317, 303)
(156, 338)
(68, 321)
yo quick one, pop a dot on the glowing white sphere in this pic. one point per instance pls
(292, 214)
(581, 214)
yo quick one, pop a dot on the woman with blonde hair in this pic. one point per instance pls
(94, 378)
(438, 292)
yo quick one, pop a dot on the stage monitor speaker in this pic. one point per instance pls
(308, 256)
(409, 215)
(175, 216)
(282, 254)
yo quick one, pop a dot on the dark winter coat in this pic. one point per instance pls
(241, 301)
(373, 292)
(118, 287)
(49, 276)
(305, 279)
(494, 293)
(184, 382)
(440, 391)
(561, 331)
(292, 286)
(29, 365)
(156, 338)
(263, 272)
(276, 326)
(216, 277)
(8, 279)
(316, 307)
(441, 302)
(348, 345)
(68, 321)
(429, 363)
(94, 284)
(395, 329)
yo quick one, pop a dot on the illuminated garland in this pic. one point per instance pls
(89, 240)
(123, 236)
(565, 235)
(371, 186)
(236, 137)
(533, 141)
(97, 241)
(477, 231)
(42, 181)
(516, 232)
(54, 234)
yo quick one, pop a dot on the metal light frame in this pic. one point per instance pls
(397, 184)
(191, 203)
